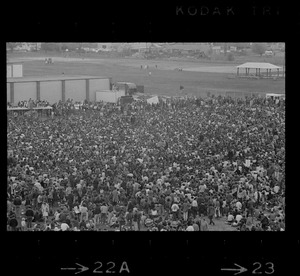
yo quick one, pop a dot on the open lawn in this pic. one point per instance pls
(164, 80)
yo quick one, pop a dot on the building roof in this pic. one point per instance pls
(53, 78)
(256, 65)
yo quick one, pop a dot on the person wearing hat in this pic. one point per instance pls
(45, 210)
(29, 216)
(104, 211)
(121, 220)
(211, 213)
(109, 213)
(175, 210)
(23, 224)
(194, 206)
(115, 195)
(113, 220)
(137, 215)
(185, 209)
(197, 220)
(83, 212)
(149, 222)
(17, 203)
(196, 226)
(13, 222)
(97, 214)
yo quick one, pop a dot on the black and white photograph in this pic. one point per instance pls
(145, 136)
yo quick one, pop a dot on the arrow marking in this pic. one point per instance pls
(81, 268)
(239, 270)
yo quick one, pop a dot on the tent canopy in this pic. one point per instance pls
(257, 65)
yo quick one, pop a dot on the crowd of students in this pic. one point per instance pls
(180, 165)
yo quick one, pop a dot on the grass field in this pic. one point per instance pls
(278, 59)
(164, 80)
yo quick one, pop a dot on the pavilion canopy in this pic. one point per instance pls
(258, 65)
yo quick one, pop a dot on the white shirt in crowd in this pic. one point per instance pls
(230, 217)
(76, 209)
(238, 205)
(176, 199)
(238, 217)
(154, 212)
(57, 214)
(224, 203)
(202, 188)
(194, 203)
(190, 228)
(64, 226)
(175, 207)
(83, 209)
(45, 209)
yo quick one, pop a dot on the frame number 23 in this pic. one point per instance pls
(268, 268)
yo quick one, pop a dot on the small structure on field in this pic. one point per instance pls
(258, 66)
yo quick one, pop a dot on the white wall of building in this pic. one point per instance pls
(75, 89)
(17, 71)
(14, 70)
(51, 91)
(97, 85)
(23, 91)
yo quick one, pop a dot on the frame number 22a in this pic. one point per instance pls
(110, 267)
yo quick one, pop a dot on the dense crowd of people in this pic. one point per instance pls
(180, 165)
(70, 107)
(30, 103)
